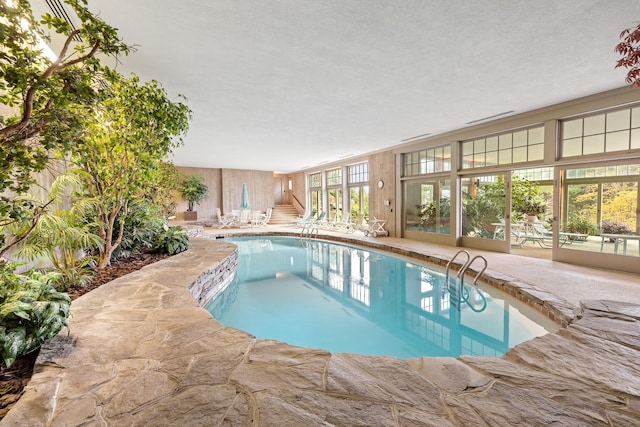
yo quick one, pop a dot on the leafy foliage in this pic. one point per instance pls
(582, 226)
(167, 182)
(194, 190)
(525, 197)
(128, 134)
(141, 228)
(436, 213)
(45, 96)
(31, 311)
(61, 236)
(629, 48)
(172, 240)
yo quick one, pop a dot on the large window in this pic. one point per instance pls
(521, 146)
(334, 193)
(431, 160)
(601, 133)
(334, 177)
(358, 181)
(600, 209)
(428, 205)
(358, 173)
(315, 193)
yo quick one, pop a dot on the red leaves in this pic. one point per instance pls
(629, 48)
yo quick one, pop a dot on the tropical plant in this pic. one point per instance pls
(194, 190)
(629, 48)
(172, 240)
(43, 96)
(31, 311)
(128, 134)
(62, 237)
(141, 227)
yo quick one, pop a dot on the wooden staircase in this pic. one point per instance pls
(283, 215)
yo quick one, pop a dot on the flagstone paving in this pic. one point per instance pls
(142, 351)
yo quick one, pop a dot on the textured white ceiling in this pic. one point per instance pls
(280, 85)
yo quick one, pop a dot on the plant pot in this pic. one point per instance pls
(532, 218)
(190, 215)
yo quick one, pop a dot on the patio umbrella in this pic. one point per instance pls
(244, 203)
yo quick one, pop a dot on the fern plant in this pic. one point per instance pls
(31, 311)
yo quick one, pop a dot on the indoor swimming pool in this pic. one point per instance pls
(342, 298)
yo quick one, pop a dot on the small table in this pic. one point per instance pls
(617, 238)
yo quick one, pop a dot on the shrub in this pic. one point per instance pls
(615, 227)
(141, 225)
(582, 226)
(31, 311)
(172, 240)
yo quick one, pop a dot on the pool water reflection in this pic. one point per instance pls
(347, 299)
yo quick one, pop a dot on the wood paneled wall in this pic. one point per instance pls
(225, 190)
(382, 167)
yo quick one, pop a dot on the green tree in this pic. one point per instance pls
(44, 96)
(194, 190)
(127, 136)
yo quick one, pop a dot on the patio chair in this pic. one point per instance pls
(224, 220)
(244, 218)
(344, 225)
(300, 222)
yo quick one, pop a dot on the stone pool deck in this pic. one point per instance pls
(141, 351)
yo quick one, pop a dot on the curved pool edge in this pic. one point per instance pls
(142, 351)
(553, 307)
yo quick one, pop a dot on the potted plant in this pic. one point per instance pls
(533, 208)
(193, 190)
(526, 199)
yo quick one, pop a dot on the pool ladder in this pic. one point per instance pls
(457, 292)
(465, 266)
(309, 231)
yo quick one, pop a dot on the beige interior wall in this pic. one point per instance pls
(259, 186)
(382, 167)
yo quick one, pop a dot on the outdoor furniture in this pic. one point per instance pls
(224, 220)
(617, 238)
(571, 238)
(532, 232)
(376, 228)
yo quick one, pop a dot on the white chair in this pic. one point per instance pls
(256, 218)
(244, 218)
(224, 220)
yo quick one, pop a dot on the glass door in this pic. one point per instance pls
(486, 201)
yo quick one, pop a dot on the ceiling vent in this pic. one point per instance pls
(58, 10)
(495, 116)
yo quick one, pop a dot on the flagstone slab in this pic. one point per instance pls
(142, 351)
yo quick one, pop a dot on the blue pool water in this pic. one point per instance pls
(347, 299)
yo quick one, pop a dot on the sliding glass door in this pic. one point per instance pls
(485, 221)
